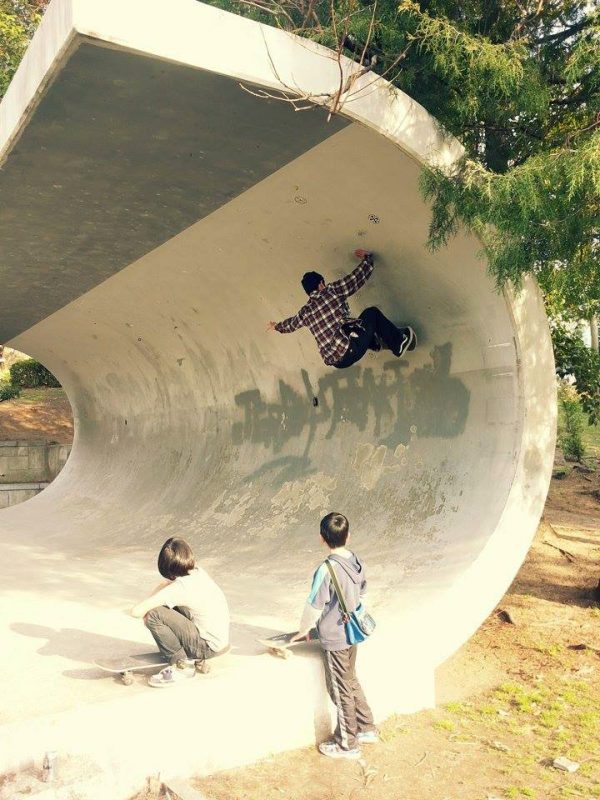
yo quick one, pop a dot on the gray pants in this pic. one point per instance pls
(353, 712)
(176, 635)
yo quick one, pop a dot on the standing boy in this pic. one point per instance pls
(342, 341)
(354, 718)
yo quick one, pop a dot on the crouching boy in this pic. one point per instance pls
(187, 614)
(354, 718)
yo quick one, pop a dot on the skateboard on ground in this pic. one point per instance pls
(144, 662)
(280, 644)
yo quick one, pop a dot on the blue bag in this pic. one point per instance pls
(358, 624)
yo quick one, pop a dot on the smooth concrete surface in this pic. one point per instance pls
(191, 419)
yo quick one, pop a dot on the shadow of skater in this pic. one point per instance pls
(79, 645)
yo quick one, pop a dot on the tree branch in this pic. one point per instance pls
(560, 36)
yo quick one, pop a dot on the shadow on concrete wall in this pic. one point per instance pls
(428, 403)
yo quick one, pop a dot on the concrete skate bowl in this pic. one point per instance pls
(154, 217)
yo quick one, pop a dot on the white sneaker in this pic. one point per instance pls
(333, 750)
(408, 341)
(367, 737)
(173, 674)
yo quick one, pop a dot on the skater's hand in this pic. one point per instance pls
(271, 326)
(360, 253)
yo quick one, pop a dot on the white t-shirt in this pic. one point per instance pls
(206, 602)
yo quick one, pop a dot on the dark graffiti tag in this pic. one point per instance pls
(428, 402)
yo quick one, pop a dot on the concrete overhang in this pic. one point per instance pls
(153, 216)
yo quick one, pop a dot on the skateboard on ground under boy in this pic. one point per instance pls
(126, 666)
(280, 644)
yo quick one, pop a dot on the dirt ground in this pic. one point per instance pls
(515, 697)
(37, 414)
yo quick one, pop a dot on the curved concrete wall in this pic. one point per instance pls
(147, 289)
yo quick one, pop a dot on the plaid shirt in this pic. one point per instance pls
(327, 312)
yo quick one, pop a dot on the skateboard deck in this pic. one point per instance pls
(280, 644)
(128, 665)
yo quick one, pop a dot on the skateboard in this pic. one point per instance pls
(125, 667)
(280, 644)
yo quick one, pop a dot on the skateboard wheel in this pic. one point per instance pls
(203, 667)
(127, 678)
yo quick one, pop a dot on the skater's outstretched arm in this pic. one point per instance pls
(288, 325)
(357, 278)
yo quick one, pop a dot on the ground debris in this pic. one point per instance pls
(583, 646)
(505, 616)
(565, 764)
(584, 468)
(368, 774)
(499, 746)
(565, 553)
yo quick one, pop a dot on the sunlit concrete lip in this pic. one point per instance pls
(246, 51)
(241, 49)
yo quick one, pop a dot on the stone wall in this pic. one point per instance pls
(28, 467)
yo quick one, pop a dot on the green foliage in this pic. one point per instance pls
(569, 438)
(8, 391)
(30, 374)
(572, 357)
(18, 20)
(519, 84)
(526, 217)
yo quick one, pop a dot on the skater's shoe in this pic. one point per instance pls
(413, 341)
(173, 674)
(367, 737)
(408, 341)
(333, 750)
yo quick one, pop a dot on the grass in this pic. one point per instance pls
(41, 395)
(590, 435)
(591, 440)
(532, 722)
(444, 725)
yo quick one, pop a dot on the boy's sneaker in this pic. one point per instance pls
(333, 750)
(408, 341)
(367, 737)
(173, 674)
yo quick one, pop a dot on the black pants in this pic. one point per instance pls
(176, 635)
(374, 325)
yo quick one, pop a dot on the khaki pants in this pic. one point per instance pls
(176, 635)
(353, 712)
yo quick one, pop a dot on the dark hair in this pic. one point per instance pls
(175, 559)
(311, 281)
(334, 529)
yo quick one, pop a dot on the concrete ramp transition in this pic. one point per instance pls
(153, 217)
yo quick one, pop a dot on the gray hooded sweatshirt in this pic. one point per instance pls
(353, 583)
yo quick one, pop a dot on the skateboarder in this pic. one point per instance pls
(354, 718)
(187, 614)
(343, 341)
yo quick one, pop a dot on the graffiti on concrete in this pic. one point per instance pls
(391, 406)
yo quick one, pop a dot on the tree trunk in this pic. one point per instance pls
(594, 332)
